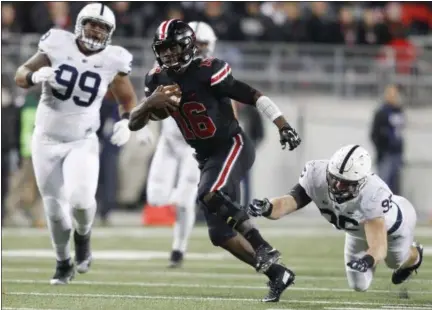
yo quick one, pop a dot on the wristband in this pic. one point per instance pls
(29, 79)
(269, 211)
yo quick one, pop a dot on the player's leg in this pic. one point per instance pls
(81, 172)
(184, 198)
(47, 164)
(356, 248)
(219, 192)
(403, 254)
(162, 174)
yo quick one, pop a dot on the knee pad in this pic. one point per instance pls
(221, 204)
(82, 199)
(359, 288)
(360, 285)
(54, 208)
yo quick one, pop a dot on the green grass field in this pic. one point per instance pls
(129, 272)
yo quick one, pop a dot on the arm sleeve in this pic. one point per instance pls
(300, 196)
(306, 178)
(225, 85)
(123, 60)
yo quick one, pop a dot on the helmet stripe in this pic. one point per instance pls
(102, 9)
(342, 167)
(164, 29)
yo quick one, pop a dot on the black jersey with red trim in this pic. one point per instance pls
(205, 116)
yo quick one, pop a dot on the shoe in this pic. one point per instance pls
(279, 284)
(83, 257)
(265, 257)
(176, 259)
(400, 275)
(65, 272)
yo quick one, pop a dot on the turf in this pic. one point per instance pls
(129, 272)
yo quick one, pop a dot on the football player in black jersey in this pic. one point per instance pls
(224, 153)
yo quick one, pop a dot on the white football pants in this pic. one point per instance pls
(67, 177)
(173, 179)
(399, 247)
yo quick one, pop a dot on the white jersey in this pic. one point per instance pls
(374, 200)
(72, 112)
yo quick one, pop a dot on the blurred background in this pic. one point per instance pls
(338, 71)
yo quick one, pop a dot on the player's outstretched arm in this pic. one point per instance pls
(123, 90)
(28, 74)
(376, 237)
(276, 208)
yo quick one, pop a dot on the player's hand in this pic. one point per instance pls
(45, 74)
(260, 208)
(145, 136)
(290, 136)
(359, 265)
(165, 97)
(121, 133)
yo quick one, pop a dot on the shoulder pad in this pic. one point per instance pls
(54, 40)
(121, 58)
(214, 70)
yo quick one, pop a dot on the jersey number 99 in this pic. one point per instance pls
(68, 76)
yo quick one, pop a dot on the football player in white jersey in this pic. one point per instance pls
(174, 173)
(76, 70)
(378, 225)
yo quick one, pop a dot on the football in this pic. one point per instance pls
(161, 114)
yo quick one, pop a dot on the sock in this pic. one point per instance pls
(183, 228)
(274, 271)
(84, 219)
(60, 231)
(255, 239)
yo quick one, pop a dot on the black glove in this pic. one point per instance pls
(290, 136)
(260, 208)
(362, 264)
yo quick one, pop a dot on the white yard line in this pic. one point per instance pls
(12, 308)
(197, 298)
(199, 285)
(155, 232)
(181, 274)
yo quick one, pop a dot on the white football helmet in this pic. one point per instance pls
(99, 36)
(347, 172)
(205, 38)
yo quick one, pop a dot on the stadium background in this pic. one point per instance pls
(325, 64)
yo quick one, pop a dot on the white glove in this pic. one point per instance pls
(121, 132)
(145, 136)
(45, 74)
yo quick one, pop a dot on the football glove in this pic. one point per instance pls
(121, 132)
(290, 136)
(46, 74)
(260, 208)
(362, 264)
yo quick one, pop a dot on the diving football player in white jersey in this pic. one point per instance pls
(378, 225)
(174, 174)
(76, 70)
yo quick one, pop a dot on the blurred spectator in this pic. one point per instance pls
(47, 15)
(292, 27)
(109, 160)
(319, 25)
(10, 141)
(387, 136)
(224, 24)
(128, 23)
(255, 26)
(9, 23)
(346, 30)
(370, 32)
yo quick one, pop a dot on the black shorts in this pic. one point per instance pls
(224, 171)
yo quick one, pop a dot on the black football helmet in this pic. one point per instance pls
(174, 44)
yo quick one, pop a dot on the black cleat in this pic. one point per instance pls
(83, 257)
(265, 257)
(65, 272)
(400, 275)
(176, 259)
(279, 284)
